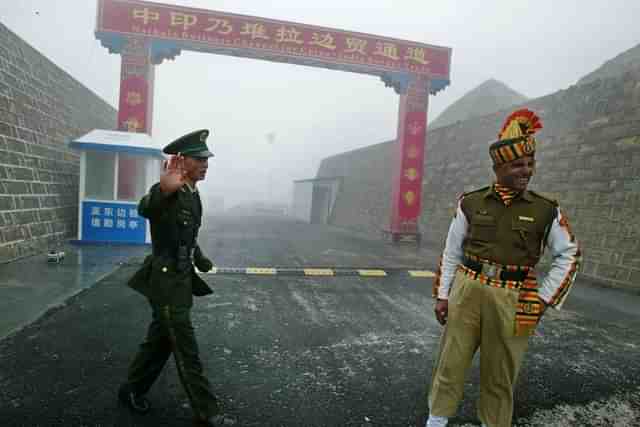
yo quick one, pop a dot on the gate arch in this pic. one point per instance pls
(145, 34)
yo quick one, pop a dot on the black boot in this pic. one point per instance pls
(138, 404)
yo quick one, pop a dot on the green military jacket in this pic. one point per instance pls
(174, 220)
(513, 235)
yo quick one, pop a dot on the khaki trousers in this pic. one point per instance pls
(480, 316)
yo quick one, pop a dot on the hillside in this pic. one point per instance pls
(487, 98)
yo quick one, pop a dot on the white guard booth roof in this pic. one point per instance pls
(112, 140)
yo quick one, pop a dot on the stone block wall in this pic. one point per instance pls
(41, 108)
(364, 200)
(588, 159)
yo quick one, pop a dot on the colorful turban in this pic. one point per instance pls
(516, 139)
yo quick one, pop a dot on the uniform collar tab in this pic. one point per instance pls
(189, 187)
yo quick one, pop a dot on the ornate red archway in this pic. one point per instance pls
(145, 34)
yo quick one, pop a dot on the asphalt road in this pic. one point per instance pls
(323, 351)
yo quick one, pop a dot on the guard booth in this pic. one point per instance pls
(116, 170)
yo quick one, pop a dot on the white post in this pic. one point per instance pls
(82, 189)
(115, 178)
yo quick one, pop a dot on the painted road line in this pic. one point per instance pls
(262, 271)
(372, 273)
(318, 272)
(421, 273)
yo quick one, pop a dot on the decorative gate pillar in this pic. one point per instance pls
(137, 73)
(406, 192)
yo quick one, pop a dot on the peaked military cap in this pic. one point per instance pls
(193, 144)
(516, 139)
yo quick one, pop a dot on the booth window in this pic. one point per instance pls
(99, 176)
(131, 177)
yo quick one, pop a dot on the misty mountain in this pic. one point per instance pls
(488, 97)
(622, 63)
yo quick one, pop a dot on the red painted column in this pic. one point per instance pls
(406, 191)
(137, 74)
(135, 110)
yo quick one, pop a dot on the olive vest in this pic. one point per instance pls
(507, 235)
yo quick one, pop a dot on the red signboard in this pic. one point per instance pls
(412, 154)
(132, 114)
(265, 36)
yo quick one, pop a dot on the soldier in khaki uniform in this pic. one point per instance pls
(169, 281)
(487, 294)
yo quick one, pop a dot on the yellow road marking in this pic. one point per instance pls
(260, 270)
(374, 273)
(318, 272)
(421, 273)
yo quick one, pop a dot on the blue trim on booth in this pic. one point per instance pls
(104, 243)
(116, 148)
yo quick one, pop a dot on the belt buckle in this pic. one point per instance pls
(491, 271)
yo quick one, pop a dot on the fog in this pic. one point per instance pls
(535, 47)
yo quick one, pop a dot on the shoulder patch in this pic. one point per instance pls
(543, 196)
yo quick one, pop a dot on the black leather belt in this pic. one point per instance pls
(172, 254)
(491, 271)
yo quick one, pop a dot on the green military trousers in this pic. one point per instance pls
(170, 332)
(480, 316)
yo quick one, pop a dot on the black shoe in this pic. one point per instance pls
(138, 404)
(220, 420)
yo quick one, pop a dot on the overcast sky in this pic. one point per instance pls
(535, 47)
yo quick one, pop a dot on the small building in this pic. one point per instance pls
(313, 199)
(116, 170)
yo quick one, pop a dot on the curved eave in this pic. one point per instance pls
(436, 85)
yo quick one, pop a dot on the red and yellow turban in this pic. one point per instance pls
(516, 139)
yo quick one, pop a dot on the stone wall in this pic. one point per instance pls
(588, 158)
(41, 108)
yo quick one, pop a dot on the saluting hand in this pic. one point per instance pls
(173, 175)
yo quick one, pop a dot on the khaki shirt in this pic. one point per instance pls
(516, 235)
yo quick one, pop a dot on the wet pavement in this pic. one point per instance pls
(31, 286)
(300, 351)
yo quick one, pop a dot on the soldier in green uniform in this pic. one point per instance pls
(487, 294)
(169, 281)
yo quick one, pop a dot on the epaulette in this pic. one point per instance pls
(479, 190)
(551, 200)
